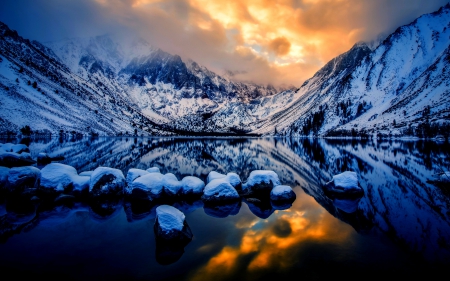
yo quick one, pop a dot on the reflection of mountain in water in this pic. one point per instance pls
(399, 202)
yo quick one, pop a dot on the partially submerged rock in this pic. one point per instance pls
(16, 148)
(282, 193)
(344, 184)
(261, 181)
(147, 187)
(21, 178)
(172, 186)
(219, 190)
(192, 186)
(153, 170)
(12, 159)
(58, 177)
(232, 178)
(213, 175)
(134, 174)
(106, 182)
(171, 226)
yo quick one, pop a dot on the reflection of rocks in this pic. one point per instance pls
(19, 214)
(260, 208)
(139, 210)
(348, 205)
(104, 208)
(172, 234)
(222, 210)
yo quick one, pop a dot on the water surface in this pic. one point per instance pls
(401, 225)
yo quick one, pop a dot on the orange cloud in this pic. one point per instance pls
(284, 41)
(277, 242)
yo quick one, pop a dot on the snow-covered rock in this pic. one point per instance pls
(170, 225)
(12, 159)
(43, 158)
(134, 174)
(214, 175)
(106, 181)
(149, 186)
(170, 219)
(232, 178)
(219, 190)
(153, 170)
(172, 234)
(345, 183)
(262, 180)
(172, 186)
(23, 177)
(86, 173)
(57, 177)
(16, 148)
(81, 183)
(192, 185)
(282, 193)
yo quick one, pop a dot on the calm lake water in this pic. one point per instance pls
(401, 225)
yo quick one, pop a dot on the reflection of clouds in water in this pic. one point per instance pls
(277, 242)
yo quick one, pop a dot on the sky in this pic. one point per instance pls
(282, 43)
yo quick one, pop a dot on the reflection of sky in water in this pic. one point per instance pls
(401, 225)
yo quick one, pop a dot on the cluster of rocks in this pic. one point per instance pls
(62, 182)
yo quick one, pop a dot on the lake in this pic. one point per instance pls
(400, 226)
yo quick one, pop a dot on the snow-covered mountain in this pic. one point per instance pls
(400, 87)
(103, 85)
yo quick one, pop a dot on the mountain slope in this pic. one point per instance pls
(403, 82)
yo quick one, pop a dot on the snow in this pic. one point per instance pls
(281, 192)
(57, 176)
(16, 148)
(18, 174)
(81, 183)
(86, 173)
(169, 218)
(153, 170)
(172, 185)
(346, 180)
(134, 174)
(262, 176)
(153, 183)
(233, 179)
(214, 175)
(118, 181)
(220, 189)
(192, 185)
